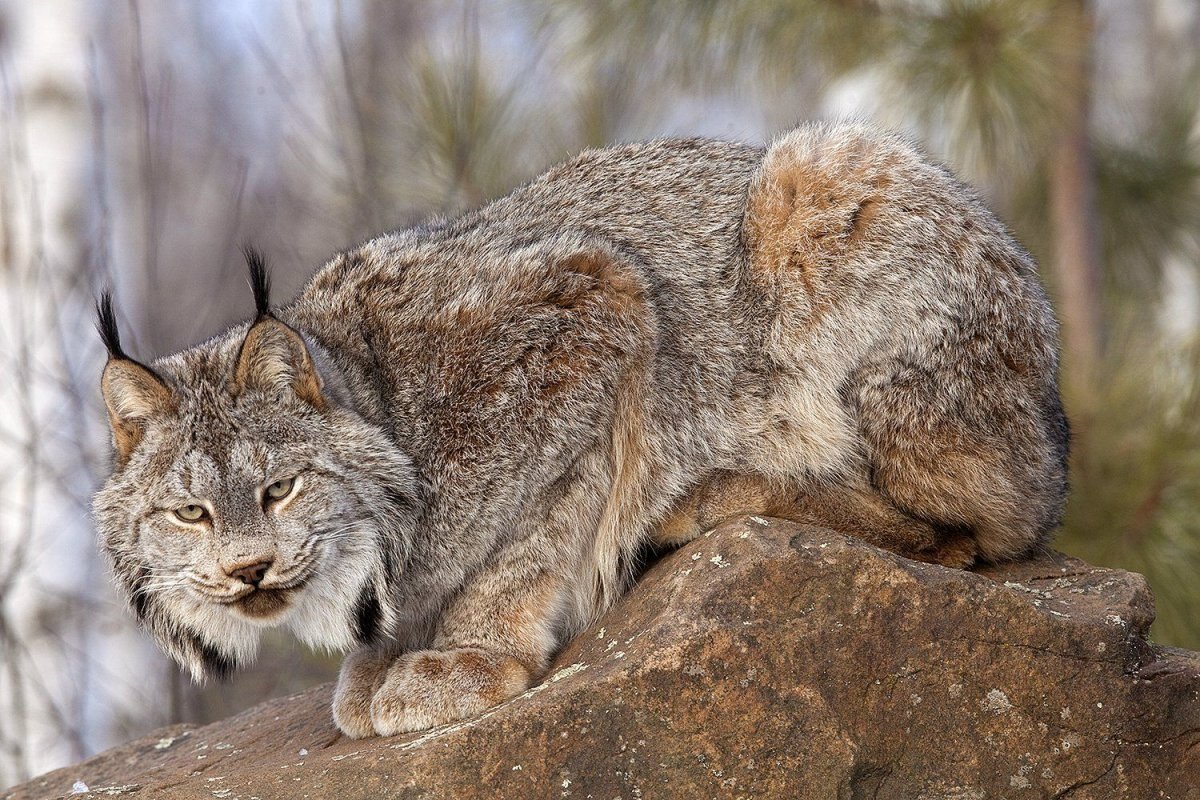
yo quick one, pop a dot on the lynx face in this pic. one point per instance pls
(244, 498)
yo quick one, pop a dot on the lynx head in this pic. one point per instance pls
(246, 493)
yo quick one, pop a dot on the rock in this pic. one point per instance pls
(769, 660)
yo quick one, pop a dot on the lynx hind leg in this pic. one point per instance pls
(719, 497)
(857, 509)
(999, 476)
(846, 507)
(964, 429)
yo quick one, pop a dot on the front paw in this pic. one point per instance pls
(433, 687)
(362, 673)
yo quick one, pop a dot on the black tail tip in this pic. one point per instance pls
(106, 324)
(260, 281)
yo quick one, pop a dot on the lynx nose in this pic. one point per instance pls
(251, 573)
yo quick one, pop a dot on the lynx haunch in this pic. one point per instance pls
(445, 455)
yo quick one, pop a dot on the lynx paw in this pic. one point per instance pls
(960, 552)
(433, 687)
(957, 550)
(362, 673)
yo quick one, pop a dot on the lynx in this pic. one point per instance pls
(446, 455)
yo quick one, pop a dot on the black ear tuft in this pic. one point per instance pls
(260, 281)
(106, 324)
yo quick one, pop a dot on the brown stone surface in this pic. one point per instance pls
(763, 660)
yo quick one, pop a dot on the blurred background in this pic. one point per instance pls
(145, 141)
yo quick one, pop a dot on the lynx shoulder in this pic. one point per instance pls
(445, 455)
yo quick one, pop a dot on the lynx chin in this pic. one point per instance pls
(446, 454)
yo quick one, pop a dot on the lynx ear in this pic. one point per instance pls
(275, 359)
(133, 393)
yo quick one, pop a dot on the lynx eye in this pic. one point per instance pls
(280, 489)
(192, 513)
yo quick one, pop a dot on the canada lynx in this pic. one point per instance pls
(446, 453)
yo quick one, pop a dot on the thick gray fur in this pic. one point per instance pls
(490, 416)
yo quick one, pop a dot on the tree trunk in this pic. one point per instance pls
(1073, 218)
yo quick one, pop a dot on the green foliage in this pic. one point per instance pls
(1148, 197)
(992, 76)
(463, 113)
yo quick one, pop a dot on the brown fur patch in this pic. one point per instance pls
(511, 677)
(429, 667)
(863, 512)
(862, 219)
(860, 512)
(526, 614)
(963, 488)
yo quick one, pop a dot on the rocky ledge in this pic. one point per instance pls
(764, 660)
